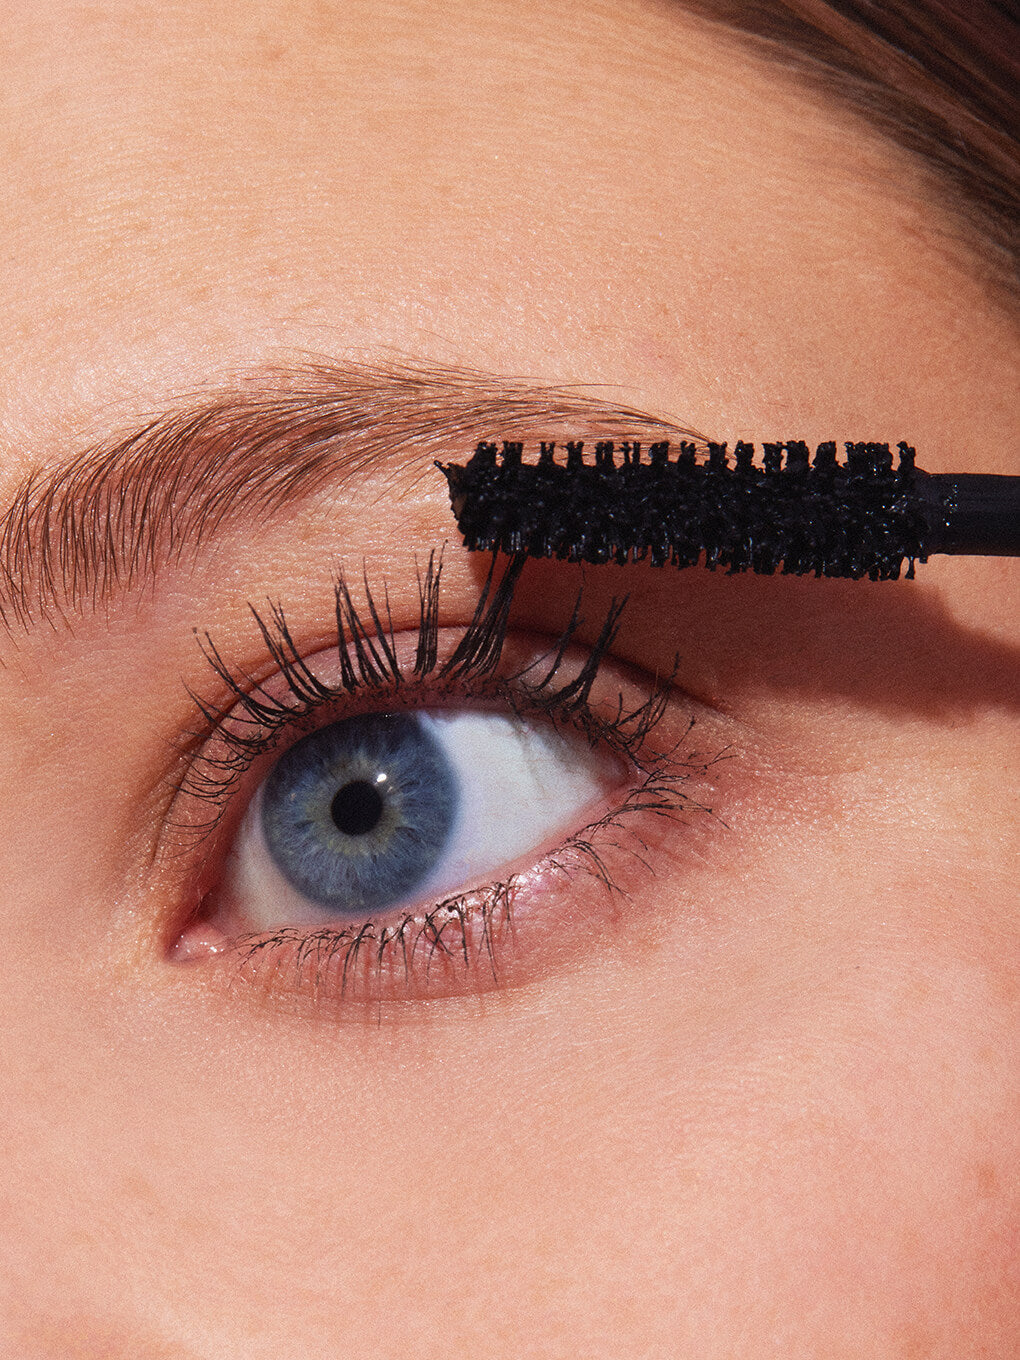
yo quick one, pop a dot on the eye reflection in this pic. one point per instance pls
(382, 811)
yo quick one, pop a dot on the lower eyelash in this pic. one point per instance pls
(440, 952)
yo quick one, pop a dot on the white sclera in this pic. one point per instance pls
(524, 787)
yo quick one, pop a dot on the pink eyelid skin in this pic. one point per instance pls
(535, 919)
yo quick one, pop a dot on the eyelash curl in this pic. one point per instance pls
(444, 944)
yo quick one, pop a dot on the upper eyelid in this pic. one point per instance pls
(248, 727)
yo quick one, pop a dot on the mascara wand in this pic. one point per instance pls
(794, 512)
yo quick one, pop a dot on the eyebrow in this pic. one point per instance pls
(112, 516)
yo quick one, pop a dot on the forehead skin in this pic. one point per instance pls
(596, 193)
(584, 192)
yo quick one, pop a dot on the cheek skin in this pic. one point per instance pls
(788, 1103)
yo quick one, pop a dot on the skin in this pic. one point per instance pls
(770, 1109)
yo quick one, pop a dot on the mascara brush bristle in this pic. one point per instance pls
(792, 512)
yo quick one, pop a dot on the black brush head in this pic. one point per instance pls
(792, 513)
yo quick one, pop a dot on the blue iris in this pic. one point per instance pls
(356, 815)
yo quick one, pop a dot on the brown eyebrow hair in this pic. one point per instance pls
(113, 515)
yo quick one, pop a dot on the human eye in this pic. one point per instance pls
(409, 814)
(376, 812)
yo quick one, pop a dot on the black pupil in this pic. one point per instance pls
(357, 808)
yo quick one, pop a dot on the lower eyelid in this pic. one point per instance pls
(501, 936)
(579, 899)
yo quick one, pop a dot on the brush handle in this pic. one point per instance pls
(972, 512)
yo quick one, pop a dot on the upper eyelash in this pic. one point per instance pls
(250, 721)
